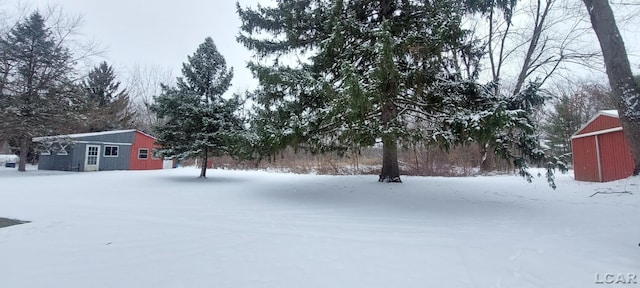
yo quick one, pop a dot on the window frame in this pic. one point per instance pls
(106, 147)
(146, 154)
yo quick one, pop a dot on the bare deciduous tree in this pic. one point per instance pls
(145, 83)
(626, 94)
(535, 42)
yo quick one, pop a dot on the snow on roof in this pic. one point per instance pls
(80, 135)
(145, 134)
(612, 113)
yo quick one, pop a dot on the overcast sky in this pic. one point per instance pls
(161, 33)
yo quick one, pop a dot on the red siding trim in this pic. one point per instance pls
(615, 156)
(601, 122)
(585, 161)
(143, 141)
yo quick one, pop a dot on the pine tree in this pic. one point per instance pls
(369, 61)
(196, 120)
(564, 120)
(37, 97)
(390, 72)
(107, 106)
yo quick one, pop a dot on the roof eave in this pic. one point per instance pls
(600, 113)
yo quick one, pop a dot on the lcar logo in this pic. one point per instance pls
(616, 278)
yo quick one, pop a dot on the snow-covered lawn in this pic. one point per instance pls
(256, 229)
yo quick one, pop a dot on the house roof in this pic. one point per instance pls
(80, 135)
(609, 113)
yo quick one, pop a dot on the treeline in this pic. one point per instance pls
(398, 75)
(43, 93)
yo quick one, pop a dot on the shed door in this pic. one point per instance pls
(92, 158)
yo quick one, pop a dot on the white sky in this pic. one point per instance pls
(161, 34)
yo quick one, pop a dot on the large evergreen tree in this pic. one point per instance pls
(196, 121)
(36, 92)
(385, 71)
(107, 106)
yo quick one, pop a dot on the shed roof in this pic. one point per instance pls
(609, 113)
(80, 135)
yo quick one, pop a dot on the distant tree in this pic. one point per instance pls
(108, 106)
(626, 94)
(36, 89)
(195, 120)
(565, 119)
(572, 109)
(144, 83)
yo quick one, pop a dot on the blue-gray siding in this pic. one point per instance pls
(115, 163)
(77, 152)
(106, 163)
(55, 162)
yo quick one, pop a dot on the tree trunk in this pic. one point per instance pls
(625, 91)
(488, 163)
(24, 151)
(390, 169)
(415, 154)
(205, 160)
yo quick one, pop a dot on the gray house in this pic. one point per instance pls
(99, 151)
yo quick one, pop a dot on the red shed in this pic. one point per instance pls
(139, 161)
(600, 151)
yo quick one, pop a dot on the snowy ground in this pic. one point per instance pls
(257, 229)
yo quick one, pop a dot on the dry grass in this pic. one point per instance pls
(423, 161)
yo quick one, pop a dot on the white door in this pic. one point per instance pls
(92, 158)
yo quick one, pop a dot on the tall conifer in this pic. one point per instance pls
(196, 121)
(37, 95)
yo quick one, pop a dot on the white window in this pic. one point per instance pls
(143, 153)
(110, 151)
